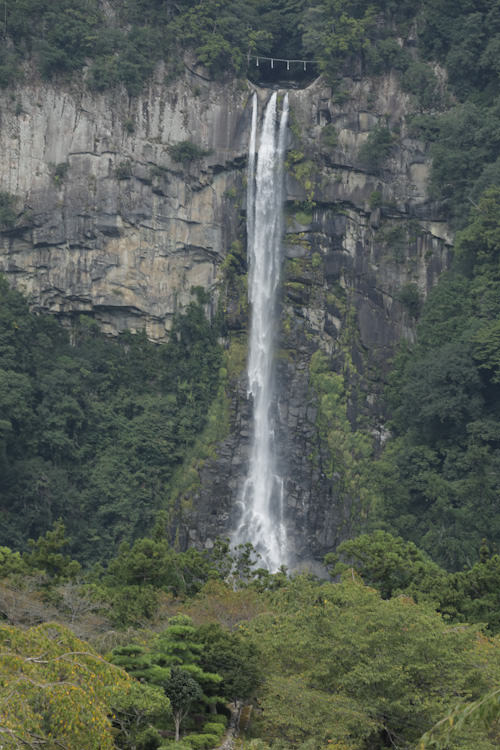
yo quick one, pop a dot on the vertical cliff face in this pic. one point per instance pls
(110, 224)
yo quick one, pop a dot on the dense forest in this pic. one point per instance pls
(112, 635)
(93, 430)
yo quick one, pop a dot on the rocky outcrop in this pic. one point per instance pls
(111, 225)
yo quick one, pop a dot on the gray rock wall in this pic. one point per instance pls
(109, 224)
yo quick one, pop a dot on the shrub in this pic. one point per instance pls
(60, 172)
(329, 137)
(409, 296)
(201, 741)
(375, 199)
(7, 212)
(123, 170)
(186, 151)
(419, 79)
(214, 727)
(316, 260)
(376, 148)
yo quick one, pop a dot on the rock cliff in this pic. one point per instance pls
(110, 224)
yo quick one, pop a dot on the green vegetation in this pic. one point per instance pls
(7, 211)
(344, 452)
(376, 149)
(186, 152)
(323, 664)
(348, 669)
(60, 171)
(329, 136)
(396, 568)
(440, 474)
(64, 691)
(92, 432)
(409, 296)
(101, 441)
(123, 170)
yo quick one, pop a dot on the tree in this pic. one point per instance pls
(479, 243)
(46, 554)
(172, 661)
(234, 658)
(182, 690)
(56, 691)
(386, 562)
(135, 714)
(179, 646)
(399, 663)
(482, 714)
(295, 712)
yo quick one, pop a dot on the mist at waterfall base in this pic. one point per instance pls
(261, 502)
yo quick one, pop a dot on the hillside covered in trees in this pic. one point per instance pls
(115, 636)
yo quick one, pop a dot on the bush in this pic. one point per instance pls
(329, 137)
(409, 296)
(149, 739)
(377, 147)
(7, 212)
(186, 152)
(419, 79)
(60, 172)
(375, 199)
(214, 727)
(202, 741)
(123, 170)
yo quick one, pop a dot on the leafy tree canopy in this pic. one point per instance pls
(92, 432)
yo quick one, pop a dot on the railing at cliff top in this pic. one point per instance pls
(272, 60)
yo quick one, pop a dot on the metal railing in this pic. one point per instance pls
(259, 58)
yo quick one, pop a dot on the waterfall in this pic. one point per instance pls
(261, 501)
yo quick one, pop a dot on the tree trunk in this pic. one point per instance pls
(177, 720)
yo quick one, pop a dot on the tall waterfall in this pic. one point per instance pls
(261, 500)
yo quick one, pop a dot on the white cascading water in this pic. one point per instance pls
(262, 522)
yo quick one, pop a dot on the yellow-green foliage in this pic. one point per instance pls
(215, 727)
(348, 450)
(232, 262)
(55, 691)
(299, 238)
(235, 357)
(304, 170)
(316, 260)
(186, 480)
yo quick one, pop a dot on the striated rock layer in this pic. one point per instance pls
(112, 225)
(109, 224)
